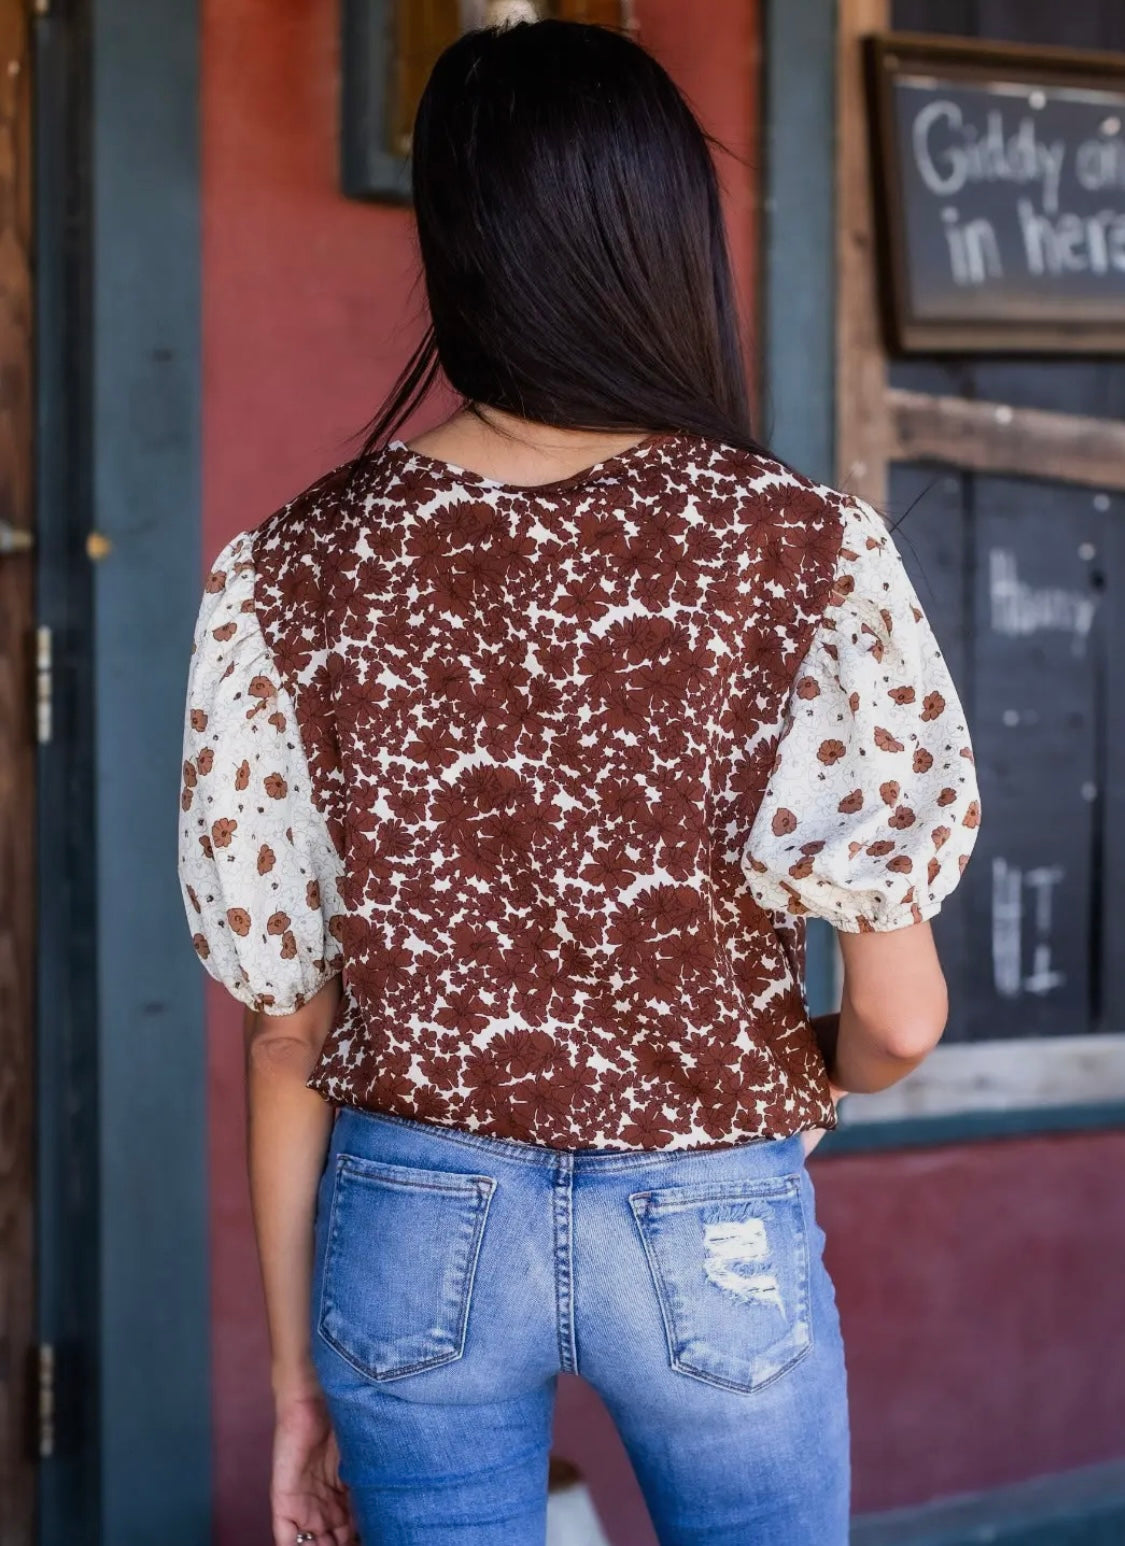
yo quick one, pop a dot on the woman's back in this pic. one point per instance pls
(524, 736)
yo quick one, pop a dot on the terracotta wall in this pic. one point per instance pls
(977, 1283)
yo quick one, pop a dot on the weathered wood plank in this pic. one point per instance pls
(1019, 1074)
(994, 437)
(862, 422)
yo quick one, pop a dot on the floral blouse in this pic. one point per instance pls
(828, 774)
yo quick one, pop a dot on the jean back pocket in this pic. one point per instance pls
(399, 1263)
(730, 1264)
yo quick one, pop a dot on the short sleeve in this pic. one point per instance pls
(872, 808)
(258, 869)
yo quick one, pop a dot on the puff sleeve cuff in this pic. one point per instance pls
(258, 869)
(872, 807)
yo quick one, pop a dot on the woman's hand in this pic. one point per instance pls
(306, 1493)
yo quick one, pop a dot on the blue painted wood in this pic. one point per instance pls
(798, 364)
(66, 1049)
(1073, 1508)
(155, 1346)
(971, 1127)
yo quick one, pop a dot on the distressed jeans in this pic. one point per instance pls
(456, 1276)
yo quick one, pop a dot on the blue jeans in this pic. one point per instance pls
(456, 1276)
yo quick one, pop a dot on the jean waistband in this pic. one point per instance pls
(545, 1157)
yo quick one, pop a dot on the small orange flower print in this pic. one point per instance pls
(940, 836)
(239, 920)
(186, 798)
(971, 818)
(889, 792)
(202, 948)
(242, 775)
(888, 620)
(288, 946)
(901, 694)
(262, 687)
(901, 817)
(205, 844)
(205, 761)
(885, 741)
(854, 848)
(198, 719)
(812, 848)
(853, 702)
(923, 760)
(947, 797)
(275, 786)
(336, 925)
(967, 753)
(216, 581)
(266, 859)
(312, 895)
(883, 846)
(877, 643)
(933, 705)
(277, 923)
(829, 752)
(222, 831)
(808, 687)
(802, 869)
(277, 720)
(851, 803)
(224, 632)
(191, 778)
(962, 860)
(933, 869)
(783, 823)
(192, 898)
(902, 864)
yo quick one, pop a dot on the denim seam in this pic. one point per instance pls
(562, 1198)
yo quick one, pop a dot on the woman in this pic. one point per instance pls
(516, 758)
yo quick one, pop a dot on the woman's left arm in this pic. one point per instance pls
(289, 1129)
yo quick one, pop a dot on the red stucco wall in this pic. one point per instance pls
(976, 1283)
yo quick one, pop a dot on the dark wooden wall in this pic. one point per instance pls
(1025, 583)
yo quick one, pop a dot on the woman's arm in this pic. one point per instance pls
(289, 1130)
(893, 1007)
(892, 1013)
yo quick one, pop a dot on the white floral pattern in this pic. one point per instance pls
(259, 873)
(872, 808)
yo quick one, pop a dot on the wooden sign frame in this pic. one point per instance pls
(890, 54)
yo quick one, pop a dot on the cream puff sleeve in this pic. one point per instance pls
(872, 808)
(259, 872)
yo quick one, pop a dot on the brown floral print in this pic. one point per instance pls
(514, 761)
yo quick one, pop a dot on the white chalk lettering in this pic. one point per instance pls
(950, 153)
(1019, 610)
(974, 252)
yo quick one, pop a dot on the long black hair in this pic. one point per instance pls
(572, 241)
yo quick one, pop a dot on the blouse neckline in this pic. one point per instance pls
(600, 469)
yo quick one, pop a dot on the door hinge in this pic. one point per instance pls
(44, 685)
(45, 1406)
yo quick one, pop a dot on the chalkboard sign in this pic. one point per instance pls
(1000, 181)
